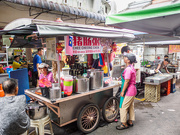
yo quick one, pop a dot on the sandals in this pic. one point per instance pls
(130, 125)
(121, 127)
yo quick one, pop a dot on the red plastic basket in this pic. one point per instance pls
(168, 87)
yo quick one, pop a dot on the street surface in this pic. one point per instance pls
(161, 118)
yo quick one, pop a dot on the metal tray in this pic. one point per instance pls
(155, 79)
(158, 78)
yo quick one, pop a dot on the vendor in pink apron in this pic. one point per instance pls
(128, 92)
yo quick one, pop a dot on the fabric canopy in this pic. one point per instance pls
(49, 30)
(43, 28)
(162, 19)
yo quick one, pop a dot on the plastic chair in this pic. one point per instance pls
(40, 124)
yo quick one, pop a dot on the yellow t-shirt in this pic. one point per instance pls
(16, 65)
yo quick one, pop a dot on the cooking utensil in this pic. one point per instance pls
(82, 85)
(55, 93)
(96, 78)
(36, 111)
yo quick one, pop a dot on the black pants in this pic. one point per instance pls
(35, 78)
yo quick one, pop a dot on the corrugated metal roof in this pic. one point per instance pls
(59, 7)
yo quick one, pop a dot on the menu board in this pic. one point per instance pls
(51, 48)
(174, 48)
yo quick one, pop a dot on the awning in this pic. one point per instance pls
(26, 26)
(42, 28)
(162, 19)
(146, 38)
(59, 7)
(158, 43)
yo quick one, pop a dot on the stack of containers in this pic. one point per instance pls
(168, 86)
(68, 85)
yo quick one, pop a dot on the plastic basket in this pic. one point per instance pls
(152, 93)
(168, 87)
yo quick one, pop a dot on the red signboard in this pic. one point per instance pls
(174, 48)
(86, 45)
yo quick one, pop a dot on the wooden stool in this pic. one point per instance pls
(39, 125)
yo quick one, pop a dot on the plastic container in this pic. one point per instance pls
(4, 68)
(68, 85)
(65, 71)
(62, 94)
(173, 88)
(1, 91)
(9, 69)
(45, 92)
(62, 84)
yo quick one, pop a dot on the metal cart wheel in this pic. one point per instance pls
(110, 109)
(88, 118)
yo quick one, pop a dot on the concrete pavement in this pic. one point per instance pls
(161, 118)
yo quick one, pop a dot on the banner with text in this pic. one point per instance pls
(51, 48)
(86, 45)
(174, 48)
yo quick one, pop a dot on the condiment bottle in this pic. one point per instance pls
(62, 94)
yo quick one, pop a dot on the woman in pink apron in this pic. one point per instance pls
(128, 92)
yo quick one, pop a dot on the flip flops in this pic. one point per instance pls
(121, 127)
(130, 125)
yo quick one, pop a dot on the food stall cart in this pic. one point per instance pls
(153, 86)
(85, 107)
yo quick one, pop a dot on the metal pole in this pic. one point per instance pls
(143, 49)
(155, 52)
(108, 63)
(58, 67)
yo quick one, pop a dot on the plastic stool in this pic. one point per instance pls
(40, 123)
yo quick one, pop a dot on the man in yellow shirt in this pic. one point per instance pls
(16, 63)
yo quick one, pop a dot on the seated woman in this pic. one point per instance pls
(45, 73)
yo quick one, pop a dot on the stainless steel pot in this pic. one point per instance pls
(36, 111)
(82, 85)
(55, 93)
(96, 78)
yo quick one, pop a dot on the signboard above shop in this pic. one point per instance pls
(174, 48)
(86, 45)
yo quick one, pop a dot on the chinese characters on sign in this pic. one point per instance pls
(174, 48)
(51, 48)
(17, 52)
(86, 45)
